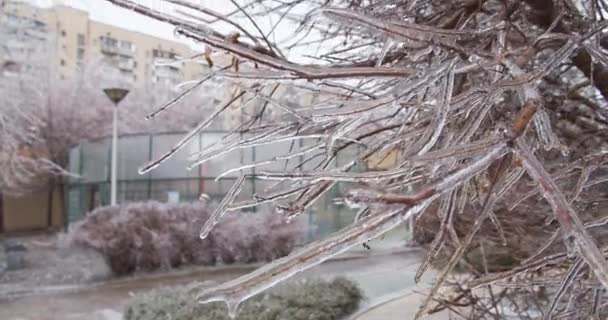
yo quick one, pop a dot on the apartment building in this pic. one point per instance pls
(75, 39)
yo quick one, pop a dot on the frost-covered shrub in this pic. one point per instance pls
(303, 300)
(153, 235)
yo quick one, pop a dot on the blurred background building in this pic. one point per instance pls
(71, 41)
(75, 38)
(47, 45)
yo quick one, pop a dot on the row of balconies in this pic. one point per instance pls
(109, 47)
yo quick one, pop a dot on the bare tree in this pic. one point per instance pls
(21, 40)
(43, 115)
(487, 104)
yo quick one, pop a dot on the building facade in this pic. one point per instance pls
(75, 39)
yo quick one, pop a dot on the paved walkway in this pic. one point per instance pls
(402, 307)
(385, 270)
(378, 274)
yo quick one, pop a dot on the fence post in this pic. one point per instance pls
(150, 154)
(200, 167)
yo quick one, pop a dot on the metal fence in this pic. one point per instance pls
(172, 182)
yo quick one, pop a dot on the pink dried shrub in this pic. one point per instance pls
(148, 236)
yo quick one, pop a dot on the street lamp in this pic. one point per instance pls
(116, 95)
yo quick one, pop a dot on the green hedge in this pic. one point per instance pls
(301, 300)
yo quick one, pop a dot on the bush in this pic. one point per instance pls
(151, 235)
(303, 300)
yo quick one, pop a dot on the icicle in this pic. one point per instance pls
(544, 130)
(582, 181)
(473, 126)
(282, 106)
(387, 45)
(233, 308)
(510, 181)
(219, 212)
(231, 146)
(352, 110)
(340, 132)
(266, 198)
(179, 96)
(214, 153)
(274, 159)
(339, 176)
(361, 213)
(566, 282)
(445, 212)
(457, 152)
(424, 80)
(442, 114)
(464, 197)
(475, 166)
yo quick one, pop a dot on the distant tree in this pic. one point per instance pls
(20, 164)
(43, 115)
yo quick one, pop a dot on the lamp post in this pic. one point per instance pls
(116, 95)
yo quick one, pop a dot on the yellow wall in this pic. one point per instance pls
(28, 212)
(384, 160)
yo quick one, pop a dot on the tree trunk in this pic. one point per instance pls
(49, 203)
(62, 202)
(1, 212)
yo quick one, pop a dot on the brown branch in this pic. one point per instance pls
(309, 72)
(259, 54)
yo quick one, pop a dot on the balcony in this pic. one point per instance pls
(168, 71)
(111, 48)
(126, 64)
(160, 63)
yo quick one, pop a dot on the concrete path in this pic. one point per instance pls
(400, 307)
(379, 272)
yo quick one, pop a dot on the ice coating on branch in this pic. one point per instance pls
(366, 228)
(242, 288)
(442, 114)
(202, 125)
(221, 209)
(388, 89)
(274, 159)
(572, 228)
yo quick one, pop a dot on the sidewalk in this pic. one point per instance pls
(402, 307)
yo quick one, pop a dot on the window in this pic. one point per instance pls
(63, 33)
(159, 53)
(109, 41)
(81, 39)
(80, 53)
(62, 62)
